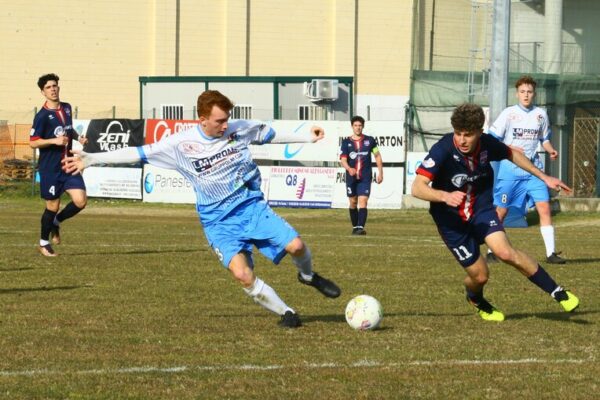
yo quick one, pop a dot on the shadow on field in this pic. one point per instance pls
(41, 289)
(582, 260)
(323, 318)
(556, 316)
(14, 269)
(140, 251)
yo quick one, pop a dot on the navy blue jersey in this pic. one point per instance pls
(358, 154)
(49, 124)
(450, 170)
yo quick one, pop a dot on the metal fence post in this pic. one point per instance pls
(597, 158)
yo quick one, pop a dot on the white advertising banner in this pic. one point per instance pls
(388, 194)
(389, 135)
(169, 186)
(121, 183)
(301, 187)
(413, 160)
(166, 186)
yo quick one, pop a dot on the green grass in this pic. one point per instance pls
(137, 306)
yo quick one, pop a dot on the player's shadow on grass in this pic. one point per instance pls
(555, 316)
(323, 318)
(140, 251)
(582, 260)
(41, 289)
(15, 269)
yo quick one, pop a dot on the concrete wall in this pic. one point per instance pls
(99, 49)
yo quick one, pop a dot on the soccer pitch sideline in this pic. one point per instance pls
(137, 306)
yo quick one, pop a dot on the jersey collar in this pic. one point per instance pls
(525, 109)
(204, 135)
(52, 109)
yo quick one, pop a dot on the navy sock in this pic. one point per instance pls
(47, 222)
(542, 280)
(362, 217)
(353, 216)
(69, 211)
(476, 298)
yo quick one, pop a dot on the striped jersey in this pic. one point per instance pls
(48, 124)
(358, 154)
(220, 169)
(524, 128)
(450, 170)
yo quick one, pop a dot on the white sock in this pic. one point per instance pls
(264, 295)
(304, 264)
(548, 236)
(44, 242)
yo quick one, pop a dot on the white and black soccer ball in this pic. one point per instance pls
(364, 313)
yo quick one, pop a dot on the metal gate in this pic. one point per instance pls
(586, 134)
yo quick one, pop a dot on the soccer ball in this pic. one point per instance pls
(364, 313)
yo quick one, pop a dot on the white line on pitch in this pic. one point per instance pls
(254, 367)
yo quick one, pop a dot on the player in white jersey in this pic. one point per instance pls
(214, 157)
(523, 127)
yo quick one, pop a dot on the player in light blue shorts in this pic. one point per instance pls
(516, 193)
(524, 127)
(251, 225)
(215, 158)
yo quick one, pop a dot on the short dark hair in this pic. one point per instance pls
(467, 117)
(45, 78)
(357, 118)
(210, 98)
(526, 80)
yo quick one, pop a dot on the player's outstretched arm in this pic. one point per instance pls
(312, 135)
(553, 183)
(81, 160)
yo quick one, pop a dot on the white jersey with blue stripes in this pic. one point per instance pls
(524, 128)
(220, 169)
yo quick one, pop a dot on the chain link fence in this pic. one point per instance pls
(586, 133)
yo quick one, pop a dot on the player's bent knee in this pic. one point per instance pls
(481, 279)
(296, 247)
(244, 276)
(505, 255)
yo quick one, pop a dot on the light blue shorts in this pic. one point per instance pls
(517, 193)
(250, 224)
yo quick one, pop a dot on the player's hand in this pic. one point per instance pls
(61, 140)
(553, 155)
(556, 184)
(379, 178)
(351, 171)
(454, 199)
(317, 132)
(83, 140)
(74, 164)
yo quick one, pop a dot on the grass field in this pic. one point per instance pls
(138, 307)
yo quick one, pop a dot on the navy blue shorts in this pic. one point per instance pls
(54, 184)
(464, 238)
(355, 187)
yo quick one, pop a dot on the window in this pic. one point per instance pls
(241, 111)
(312, 112)
(171, 111)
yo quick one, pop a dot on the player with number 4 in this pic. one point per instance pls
(53, 134)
